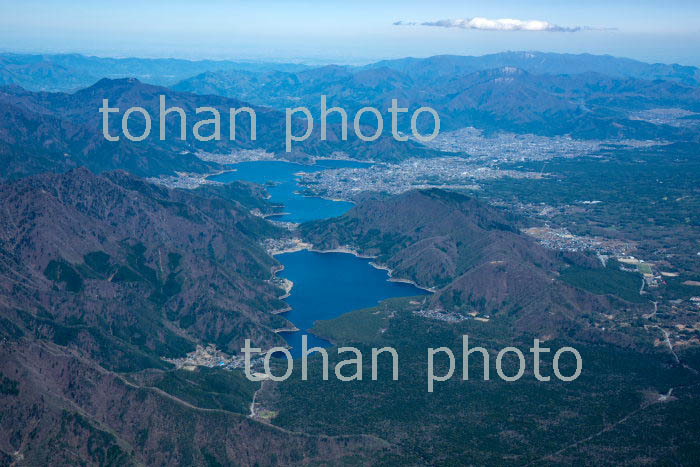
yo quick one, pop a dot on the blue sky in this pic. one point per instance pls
(347, 31)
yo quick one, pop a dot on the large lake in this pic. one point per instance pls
(326, 285)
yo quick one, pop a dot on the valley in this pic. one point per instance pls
(559, 202)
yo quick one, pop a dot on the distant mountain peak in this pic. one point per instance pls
(108, 82)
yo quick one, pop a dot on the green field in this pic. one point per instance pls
(610, 280)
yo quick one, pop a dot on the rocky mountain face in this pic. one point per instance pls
(103, 276)
(471, 254)
(92, 260)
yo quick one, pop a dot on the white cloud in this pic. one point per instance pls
(503, 24)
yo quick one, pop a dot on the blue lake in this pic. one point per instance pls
(281, 181)
(326, 285)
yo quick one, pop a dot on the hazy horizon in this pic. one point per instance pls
(361, 32)
(310, 61)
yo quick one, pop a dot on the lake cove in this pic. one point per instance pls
(281, 182)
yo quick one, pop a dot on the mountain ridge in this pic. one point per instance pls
(472, 255)
(587, 104)
(58, 131)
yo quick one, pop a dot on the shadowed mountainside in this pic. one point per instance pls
(63, 409)
(101, 277)
(125, 270)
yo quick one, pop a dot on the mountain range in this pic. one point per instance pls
(586, 96)
(106, 277)
(584, 102)
(43, 131)
(103, 276)
(70, 72)
(85, 255)
(542, 63)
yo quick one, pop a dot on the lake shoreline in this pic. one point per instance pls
(374, 264)
(291, 175)
(300, 246)
(303, 246)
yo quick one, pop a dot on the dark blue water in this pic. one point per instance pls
(285, 188)
(327, 285)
